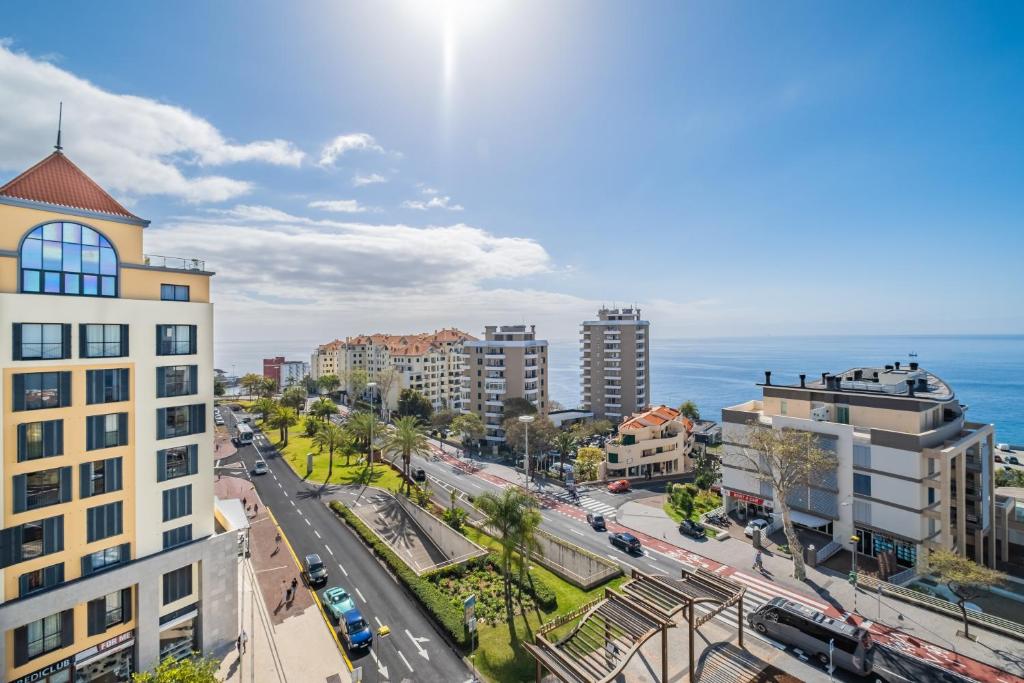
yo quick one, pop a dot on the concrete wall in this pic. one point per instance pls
(454, 545)
(574, 564)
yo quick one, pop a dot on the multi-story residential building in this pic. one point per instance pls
(429, 362)
(109, 559)
(285, 373)
(913, 473)
(615, 377)
(509, 362)
(654, 443)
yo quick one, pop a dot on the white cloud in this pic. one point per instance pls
(128, 144)
(339, 206)
(360, 180)
(436, 202)
(346, 143)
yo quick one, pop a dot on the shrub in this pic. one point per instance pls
(704, 480)
(692, 489)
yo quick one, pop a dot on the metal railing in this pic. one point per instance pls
(174, 262)
(827, 551)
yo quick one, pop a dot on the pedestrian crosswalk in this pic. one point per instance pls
(586, 502)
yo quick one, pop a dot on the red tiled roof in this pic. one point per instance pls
(55, 180)
(650, 418)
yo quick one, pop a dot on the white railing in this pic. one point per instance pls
(174, 262)
(827, 551)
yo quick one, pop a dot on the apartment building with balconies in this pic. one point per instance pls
(109, 556)
(509, 362)
(913, 472)
(654, 443)
(615, 376)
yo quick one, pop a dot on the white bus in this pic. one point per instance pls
(244, 434)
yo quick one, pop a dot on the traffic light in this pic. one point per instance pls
(853, 578)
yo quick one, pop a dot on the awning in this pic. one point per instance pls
(807, 520)
(232, 512)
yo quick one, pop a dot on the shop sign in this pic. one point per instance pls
(42, 674)
(746, 498)
(109, 644)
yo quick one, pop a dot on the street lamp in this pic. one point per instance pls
(526, 420)
(371, 386)
(854, 540)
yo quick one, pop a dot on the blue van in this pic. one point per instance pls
(355, 630)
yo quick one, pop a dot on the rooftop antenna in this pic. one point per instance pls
(60, 119)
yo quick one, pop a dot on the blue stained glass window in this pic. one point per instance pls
(68, 258)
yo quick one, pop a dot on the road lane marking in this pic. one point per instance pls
(342, 569)
(359, 594)
(328, 548)
(377, 619)
(317, 534)
(576, 531)
(404, 660)
(306, 521)
(292, 502)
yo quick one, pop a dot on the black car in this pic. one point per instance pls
(419, 474)
(627, 542)
(316, 572)
(596, 521)
(1013, 460)
(692, 529)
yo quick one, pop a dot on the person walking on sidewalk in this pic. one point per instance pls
(758, 562)
(295, 586)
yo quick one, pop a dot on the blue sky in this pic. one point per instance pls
(734, 168)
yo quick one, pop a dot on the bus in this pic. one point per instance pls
(244, 434)
(812, 632)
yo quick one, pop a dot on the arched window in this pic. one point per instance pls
(68, 258)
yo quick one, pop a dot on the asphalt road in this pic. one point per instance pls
(415, 650)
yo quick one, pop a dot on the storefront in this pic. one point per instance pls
(112, 661)
(178, 633)
(746, 505)
(58, 672)
(874, 543)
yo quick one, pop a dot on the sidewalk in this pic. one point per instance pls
(281, 634)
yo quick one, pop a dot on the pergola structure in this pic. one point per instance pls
(612, 629)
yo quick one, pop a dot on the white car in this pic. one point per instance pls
(755, 524)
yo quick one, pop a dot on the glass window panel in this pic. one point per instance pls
(73, 258)
(90, 284)
(108, 262)
(109, 288)
(31, 334)
(32, 254)
(52, 259)
(90, 236)
(72, 283)
(51, 283)
(73, 233)
(30, 281)
(52, 231)
(90, 259)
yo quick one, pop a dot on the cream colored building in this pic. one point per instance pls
(614, 363)
(913, 472)
(508, 362)
(109, 558)
(656, 442)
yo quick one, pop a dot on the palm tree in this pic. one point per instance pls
(529, 546)
(689, 409)
(364, 425)
(265, 406)
(565, 444)
(504, 516)
(408, 438)
(266, 387)
(282, 419)
(332, 438)
(294, 397)
(323, 408)
(249, 382)
(328, 384)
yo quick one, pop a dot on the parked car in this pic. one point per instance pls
(627, 542)
(419, 474)
(1013, 460)
(219, 421)
(338, 601)
(316, 571)
(997, 457)
(1003, 446)
(596, 521)
(260, 467)
(620, 486)
(692, 529)
(354, 630)
(758, 523)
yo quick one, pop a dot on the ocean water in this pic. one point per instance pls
(986, 372)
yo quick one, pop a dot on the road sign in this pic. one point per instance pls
(471, 624)
(469, 605)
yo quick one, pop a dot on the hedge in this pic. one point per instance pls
(545, 597)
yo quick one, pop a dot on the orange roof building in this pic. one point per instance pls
(657, 442)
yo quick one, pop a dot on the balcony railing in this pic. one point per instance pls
(174, 262)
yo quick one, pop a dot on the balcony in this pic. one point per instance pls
(174, 262)
(494, 356)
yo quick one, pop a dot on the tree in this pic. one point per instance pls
(1009, 476)
(331, 437)
(219, 387)
(310, 425)
(469, 426)
(707, 469)
(364, 425)
(264, 406)
(412, 402)
(323, 408)
(191, 670)
(250, 381)
(357, 381)
(266, 387)
(589, 428)
(542, 435)
(516, 406)
(311, 385)
(787, 459)
(506, 517)
(407, 438)
(565, 443)
(294, 397)
(588, 463)
(282, 418)
(386, 379)
(328, 383)
(442, 419)
(689, 409)
(965, 578)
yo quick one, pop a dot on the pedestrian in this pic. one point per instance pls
(295, 585)
(758, 562)
(238, 644)
(288, 594)
(245, 503)
(243, 641)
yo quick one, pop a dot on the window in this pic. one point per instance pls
(45, 635)
(106, 558)
(180, 420)
(41, 489)
(106, 431)
(175, 340)
(862, 484)
(177, 502)
(174, 292)
(40, 579)
(41, 390)
(106, 386)
(931, 495)
(30, 540)
(177, 584)
(862, 456)
(177, 380)
(40, 440)
(102, 341)
(843, 415)
(181, 461)
(110, 610)
(68, 258)
(103, 521)
(39, 341)
(182, 534)
(101, 476)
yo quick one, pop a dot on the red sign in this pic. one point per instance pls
(746, 498)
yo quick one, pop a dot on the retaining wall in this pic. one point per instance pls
(455, 546)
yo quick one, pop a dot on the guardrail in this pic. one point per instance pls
(827, 551)
(174, 262)
(991, 622)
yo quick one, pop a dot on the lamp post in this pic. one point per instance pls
(371, 386)
(526, 420)
(854, 540)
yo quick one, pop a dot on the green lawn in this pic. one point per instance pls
(353, 473)
(705, 501)
(494, 656)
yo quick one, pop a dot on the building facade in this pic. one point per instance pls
(509, 362)
(615, 375)
(109, 558)
(654, 443)
(285, 373)
(913, 472)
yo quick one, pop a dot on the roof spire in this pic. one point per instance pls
(60, 117)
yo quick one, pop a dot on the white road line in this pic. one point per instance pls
(359, 594)
(406, 661)
(328, 548)
(291, 501)
(317, 534)
(280, 485)
(377, 619)
(306, 521)
(342, 569)
(576, 531)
